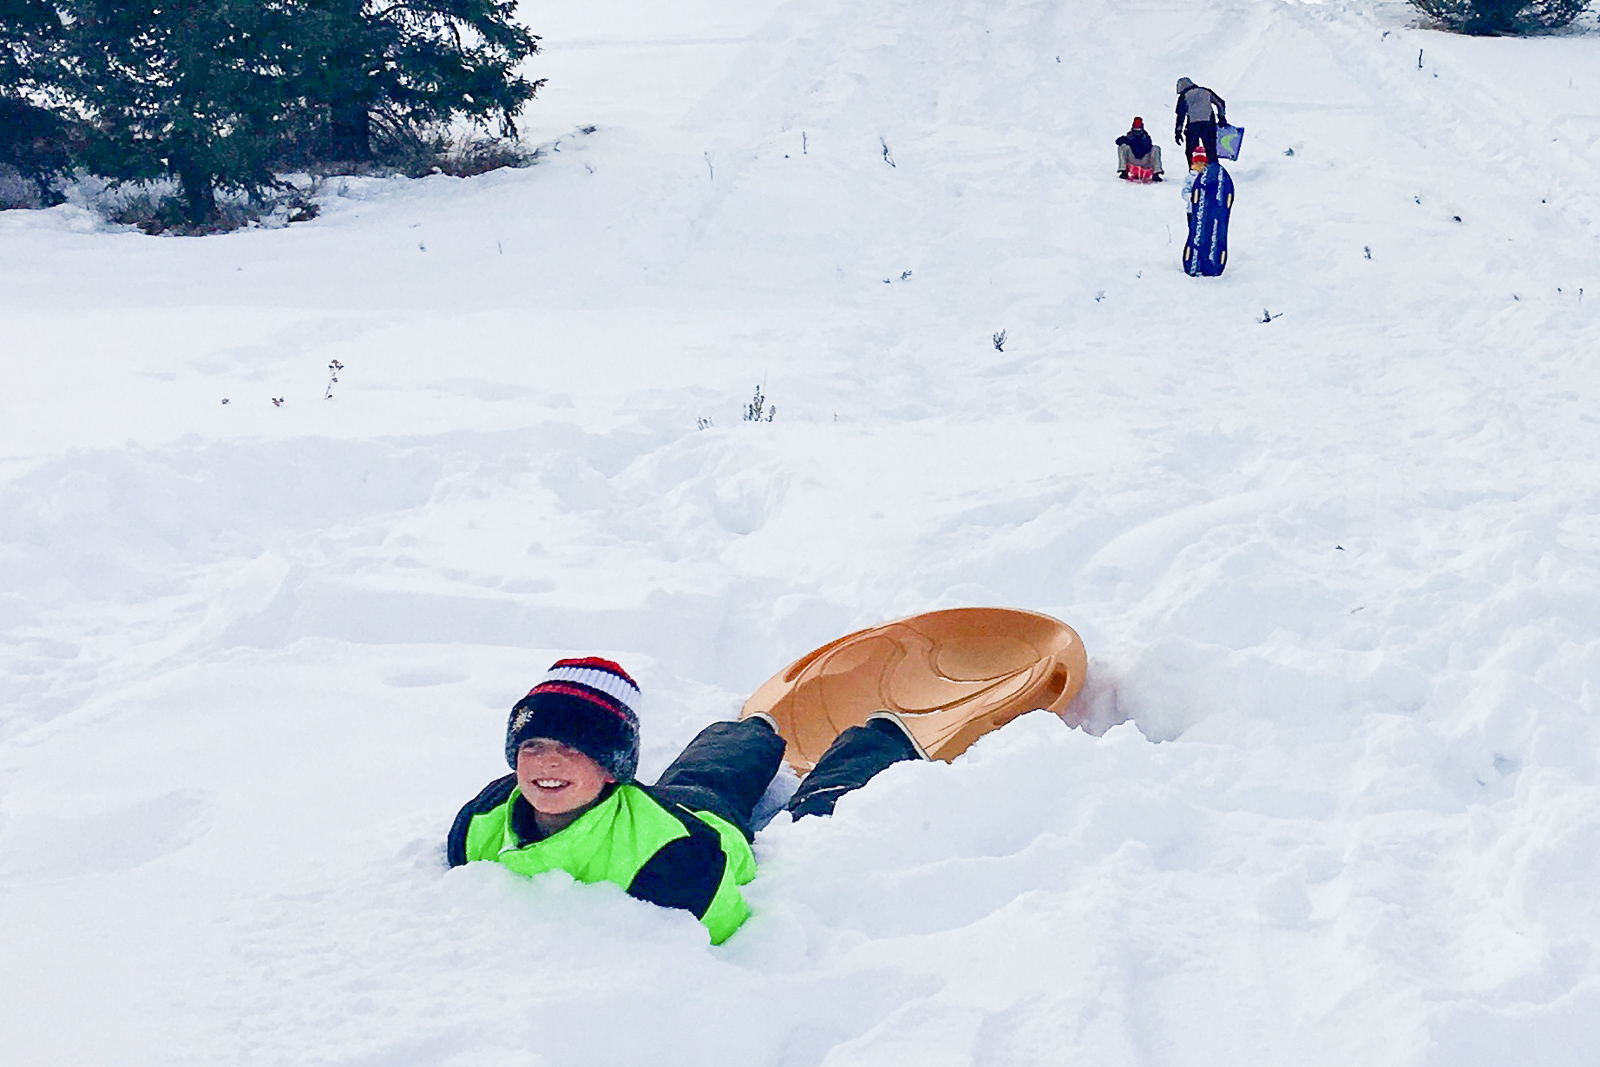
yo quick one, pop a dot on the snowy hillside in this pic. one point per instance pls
(1336, 571)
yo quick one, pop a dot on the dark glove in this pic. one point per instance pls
(1177, 138)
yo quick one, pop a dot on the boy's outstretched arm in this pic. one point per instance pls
(685, 873)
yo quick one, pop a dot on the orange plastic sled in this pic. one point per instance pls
(952, 676)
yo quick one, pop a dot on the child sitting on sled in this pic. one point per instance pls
(572, 802)
(1138, 156)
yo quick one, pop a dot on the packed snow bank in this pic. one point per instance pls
(1335, 571)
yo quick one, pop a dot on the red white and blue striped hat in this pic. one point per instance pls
(586, 703)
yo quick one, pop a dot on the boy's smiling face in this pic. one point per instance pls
(557, 779)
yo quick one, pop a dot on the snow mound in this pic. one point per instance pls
(1327, 525)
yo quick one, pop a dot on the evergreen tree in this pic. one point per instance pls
(26, 28)
(33, 139)
(370, 66)
(195, 91)
(1502, 18)
(212, 92)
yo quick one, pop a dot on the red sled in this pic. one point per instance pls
(1137, 173)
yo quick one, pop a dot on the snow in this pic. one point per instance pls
(1339, 800)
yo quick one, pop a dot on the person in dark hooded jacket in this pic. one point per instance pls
(1200, 111)
(1136, 149)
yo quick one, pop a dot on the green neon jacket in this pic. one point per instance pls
(657, 850)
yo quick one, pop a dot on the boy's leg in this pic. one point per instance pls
(724, 770)
(853, 758)
(1124, 157)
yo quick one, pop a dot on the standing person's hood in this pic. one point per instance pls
(1184, 85)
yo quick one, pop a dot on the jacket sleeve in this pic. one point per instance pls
(684, 873)
(1222, 108)
(493, 795)
(1177, 127)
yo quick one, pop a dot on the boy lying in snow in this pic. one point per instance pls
(573, 805)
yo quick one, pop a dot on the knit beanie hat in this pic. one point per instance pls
(1138, 123)
(585, 703)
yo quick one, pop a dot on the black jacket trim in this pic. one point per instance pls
(494, 794)
(684, 873)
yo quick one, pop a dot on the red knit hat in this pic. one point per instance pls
(1138, 123)
(585, 703)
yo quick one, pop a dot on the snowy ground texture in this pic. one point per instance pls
(1340, 802)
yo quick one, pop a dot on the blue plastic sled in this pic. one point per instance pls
(1205, 253)
(1229, 140)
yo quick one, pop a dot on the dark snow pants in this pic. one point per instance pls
(1204, 133)
(728, 766)
(850, 762)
